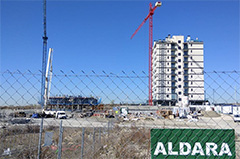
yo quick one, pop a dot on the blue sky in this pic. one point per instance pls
(95, 35)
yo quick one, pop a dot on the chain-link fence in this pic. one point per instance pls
(107, 115)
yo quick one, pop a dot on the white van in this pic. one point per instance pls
(236, 118)
(61, 115)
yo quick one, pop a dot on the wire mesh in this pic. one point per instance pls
(108, 115)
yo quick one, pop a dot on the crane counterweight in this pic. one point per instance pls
(158, 4)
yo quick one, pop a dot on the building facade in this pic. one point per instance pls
(177, 71)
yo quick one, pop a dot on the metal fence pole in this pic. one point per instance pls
(93, 141)
(108, 128)
(82, 145)
(99, 136)
(40, 138)
(60, 141)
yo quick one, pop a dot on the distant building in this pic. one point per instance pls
(177, 71)
(69, 101)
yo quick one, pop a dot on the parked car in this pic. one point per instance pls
(236, 118)
(61, 115)
(17, 114)
(35, 115)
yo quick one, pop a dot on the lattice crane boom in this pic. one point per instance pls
(149, 16)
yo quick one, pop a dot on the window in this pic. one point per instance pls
(179, 60)
(179, 73)
(191, 44)
(179, 48)
(168, 51)
(179, 66)
(185, 46)
(179, 41)
(191, 57)
(191, 63)
(192, 96)
(179, 93)
(180, 99)
(167, 63)
(191, 50)
(179, 79)
(167, 69)
(179, 86)
(191, 89)
(179, 54)
(167, 96)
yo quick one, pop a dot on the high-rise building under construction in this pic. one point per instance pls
(177, 71)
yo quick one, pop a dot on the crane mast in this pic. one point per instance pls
(44, 55)
(48, 77)
(149, 16)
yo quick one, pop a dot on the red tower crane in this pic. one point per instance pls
(149, 16)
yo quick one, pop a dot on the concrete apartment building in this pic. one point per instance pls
(177, 71)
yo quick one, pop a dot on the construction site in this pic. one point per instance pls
(108, 115)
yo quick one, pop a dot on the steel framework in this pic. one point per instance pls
(149, 16)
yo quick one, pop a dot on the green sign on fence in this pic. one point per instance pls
(192, 143)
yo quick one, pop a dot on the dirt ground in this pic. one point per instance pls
(103, 138)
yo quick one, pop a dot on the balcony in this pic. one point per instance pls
(173, 48)
(185, 67)
(185, 54)
(173, 54)
(185, 78)
(173, 79)
(185, 47)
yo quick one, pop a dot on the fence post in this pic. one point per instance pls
(82, 145)
(93, 141)
(40, 138)
(108, 128)
(99, 136)
(60, 141)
